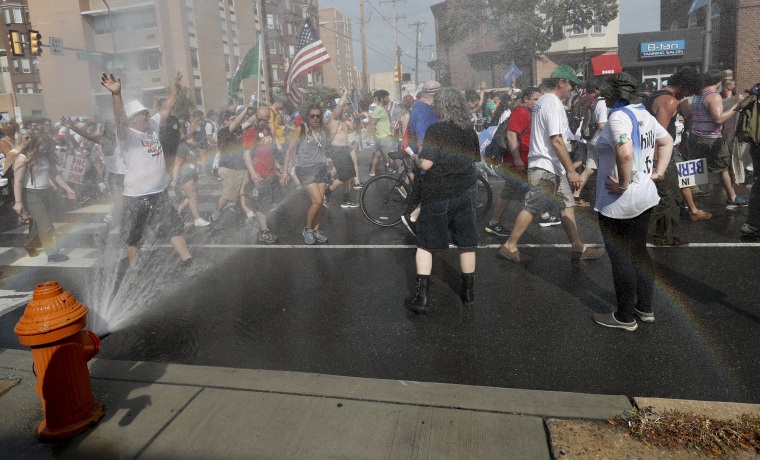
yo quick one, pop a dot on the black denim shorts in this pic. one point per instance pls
(453, 215)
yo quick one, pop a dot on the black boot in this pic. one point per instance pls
(466, 294)
(418, 304)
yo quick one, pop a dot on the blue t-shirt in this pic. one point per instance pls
(422, 116)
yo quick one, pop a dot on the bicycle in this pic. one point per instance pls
(387, 197)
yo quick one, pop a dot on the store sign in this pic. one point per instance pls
(673, 48)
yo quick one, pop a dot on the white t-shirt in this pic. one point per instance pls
(144, 158)
(642, 193)
(549, 119)
(600, 116)
(115, 162)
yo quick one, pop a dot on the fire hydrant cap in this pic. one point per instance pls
(53, 314)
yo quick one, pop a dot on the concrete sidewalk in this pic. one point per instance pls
(162, 411)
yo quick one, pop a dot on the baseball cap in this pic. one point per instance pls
(132, 108)
(566, 72)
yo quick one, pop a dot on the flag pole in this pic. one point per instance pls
(340, 81)
(259, 72)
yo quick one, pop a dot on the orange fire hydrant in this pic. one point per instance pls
(52, 325)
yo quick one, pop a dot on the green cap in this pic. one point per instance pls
(567, 73)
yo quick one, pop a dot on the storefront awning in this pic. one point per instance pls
(606, 64)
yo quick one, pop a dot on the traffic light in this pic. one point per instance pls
(35, 43)
(397, 71)
(15, 45)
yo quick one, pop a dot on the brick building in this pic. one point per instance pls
(747, 69)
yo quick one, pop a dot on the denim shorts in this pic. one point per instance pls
(453, 215)
(312, 173)
(154, 212)
(548, 192)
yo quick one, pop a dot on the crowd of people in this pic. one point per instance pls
(547, 143)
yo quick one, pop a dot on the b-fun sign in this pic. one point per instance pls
(692, 172)
(672, 48)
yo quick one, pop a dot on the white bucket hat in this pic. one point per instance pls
(133, 108)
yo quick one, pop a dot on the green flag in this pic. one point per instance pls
(248, 67)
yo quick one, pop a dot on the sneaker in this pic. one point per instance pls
(390, 169)
(609, 320)
(700, 215)
(549, 221)
(349, 204)
(267, 237)
(588, 253)
(645, 316)
(411, 226)
(83, 200)
(401, 191)
(359, 186)
(497, 229)
(319, 236)
(308, 236)
(201, 222)
(738, 201)
(750, 230)
(56, 257)
(108, 218)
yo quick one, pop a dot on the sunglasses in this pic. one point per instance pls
(315, 116)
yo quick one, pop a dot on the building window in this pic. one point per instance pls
(16, 66)
(17, 18)
(223, 26)
(233, 29)
(189, 17)
(226, 62)
(292, 50)
(194, 57)
(270, 21)
(29, 88)
(145, 19)
(290, 28)
(597, 28)
(310, 79)
(231, 3)
(275, 74)
(149, 61)
(26, 65)
(101, 25)
(198, 96)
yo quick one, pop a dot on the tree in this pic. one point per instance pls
(525, 28)
(185, 104)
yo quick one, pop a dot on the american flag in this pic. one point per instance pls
(311, 55)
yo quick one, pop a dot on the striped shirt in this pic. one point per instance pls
(703, 124)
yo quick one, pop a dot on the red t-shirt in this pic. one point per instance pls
(519, 122)
(260, 142)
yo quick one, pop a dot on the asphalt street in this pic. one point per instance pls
(338, 308)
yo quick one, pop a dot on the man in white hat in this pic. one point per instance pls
(146, 201)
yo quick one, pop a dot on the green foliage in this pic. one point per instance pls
(525, 28)
(318, 93)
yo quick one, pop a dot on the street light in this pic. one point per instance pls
(113, 33)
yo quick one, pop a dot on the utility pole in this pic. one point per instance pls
(264, 53)
(395, 42)
(365, 82)
(418, 37)
(706, 54)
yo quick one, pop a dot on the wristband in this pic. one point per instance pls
(622, 188)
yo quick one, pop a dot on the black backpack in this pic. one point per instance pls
(575, 114)
(169, 135)
(589, 124)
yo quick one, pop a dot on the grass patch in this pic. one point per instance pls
(676, 429)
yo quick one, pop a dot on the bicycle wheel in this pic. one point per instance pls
(485, 198)
(384, 199)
